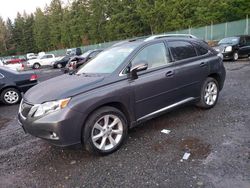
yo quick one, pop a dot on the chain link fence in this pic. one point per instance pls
(208, 33)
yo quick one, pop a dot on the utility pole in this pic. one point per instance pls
(211, 37)
(247, 25)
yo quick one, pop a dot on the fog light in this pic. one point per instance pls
(54, 136)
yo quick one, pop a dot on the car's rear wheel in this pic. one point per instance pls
(36, 66)
(235, 56)
(59, 65)
(10, 96)
(105, 131)
(209, 93)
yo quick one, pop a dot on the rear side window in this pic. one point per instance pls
(182, 50)
(199, 49)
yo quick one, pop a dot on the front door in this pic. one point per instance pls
(155, 87)
(244, 46)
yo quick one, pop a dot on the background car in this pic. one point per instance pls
(234, 47)
(74, 52)
(31, 56)
(13, 83)
(16, 66)
(15, 60)
(75, 62)
(45, 60)
(61, 62)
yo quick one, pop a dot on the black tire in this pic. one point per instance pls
(203, 103)
(89, 130)
(235, 56)
(16, 96)
(36, 66)
(59, 66)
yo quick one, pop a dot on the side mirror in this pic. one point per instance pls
(138, 68)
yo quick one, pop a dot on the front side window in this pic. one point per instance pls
(154, 55)
(182, 50)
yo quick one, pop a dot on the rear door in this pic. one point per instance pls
(191, 68)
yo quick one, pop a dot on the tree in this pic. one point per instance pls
(41, 31)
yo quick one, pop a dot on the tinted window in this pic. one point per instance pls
(49, 56)
(248, 41)
(242, 41)
(154, 55)
(199, 49)
(182, 50)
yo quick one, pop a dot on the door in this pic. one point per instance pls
(244, 46)
(191, 67)
(2, 78)
(154, 89)
(47, 60)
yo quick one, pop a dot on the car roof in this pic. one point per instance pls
(140, 41)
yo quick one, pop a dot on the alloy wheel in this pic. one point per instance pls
(236, 56)
(11, 97)
(107, 132)
(211, 93)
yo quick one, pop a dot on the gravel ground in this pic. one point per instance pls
(218, 140)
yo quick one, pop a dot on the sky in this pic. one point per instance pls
(9, 8)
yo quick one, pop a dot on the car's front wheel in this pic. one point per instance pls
(10, 96)
(105, 131)
(235, 56)
(59, 65)
(36, 66)
(209, 93)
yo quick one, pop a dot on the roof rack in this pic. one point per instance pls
(170, 35)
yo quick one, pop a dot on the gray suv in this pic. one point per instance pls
(124, 85)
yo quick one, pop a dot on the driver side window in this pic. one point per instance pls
(155, 55)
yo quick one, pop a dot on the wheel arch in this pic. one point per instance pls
(117, 105)
(9, 86)
(217, 77)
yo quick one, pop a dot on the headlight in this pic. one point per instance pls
(49, 107)
(228, 49)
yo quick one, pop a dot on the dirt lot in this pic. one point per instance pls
(219, 141)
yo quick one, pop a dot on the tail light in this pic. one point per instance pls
(33, 77)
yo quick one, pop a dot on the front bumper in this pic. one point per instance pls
(227, 55)
(61, 128)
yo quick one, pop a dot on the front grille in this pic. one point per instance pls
(25, 108)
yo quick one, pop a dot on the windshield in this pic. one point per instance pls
(230, 40)
(86, 54)
(107, 61)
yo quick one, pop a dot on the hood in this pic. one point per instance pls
(61, 87)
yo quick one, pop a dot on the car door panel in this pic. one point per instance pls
(154, 88)
(153, 91)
